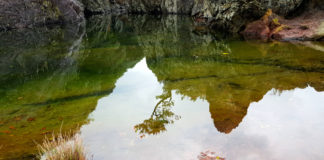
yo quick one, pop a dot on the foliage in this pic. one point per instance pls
(63, 147)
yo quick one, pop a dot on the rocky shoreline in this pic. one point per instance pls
(307, 26)
(290, 20)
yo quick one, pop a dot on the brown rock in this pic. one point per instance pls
(307, 27)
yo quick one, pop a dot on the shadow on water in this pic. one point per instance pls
(51, 76)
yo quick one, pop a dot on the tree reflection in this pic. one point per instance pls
(160, 117)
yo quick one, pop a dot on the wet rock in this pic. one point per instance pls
(28, 13)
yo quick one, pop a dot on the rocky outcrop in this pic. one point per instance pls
(29, 13)
(229, 15)
(224, 15)
(207, 8)
(309, 26)
(99, 6)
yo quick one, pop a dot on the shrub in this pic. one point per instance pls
(63, 147)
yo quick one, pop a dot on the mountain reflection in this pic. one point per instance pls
(231, 83)
(228, 75)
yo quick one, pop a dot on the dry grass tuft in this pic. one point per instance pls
(63, 147)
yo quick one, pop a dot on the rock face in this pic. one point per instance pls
(228, 15)
(207, 8)
(28, 13)
(99, 6)
(223, 14)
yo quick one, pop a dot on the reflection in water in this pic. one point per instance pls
(230, 83)
(209, 155)
(70, 75)
(48, 85)
(161, 116)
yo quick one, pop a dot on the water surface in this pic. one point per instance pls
(142, 87)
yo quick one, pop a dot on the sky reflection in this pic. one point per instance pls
(283, 125)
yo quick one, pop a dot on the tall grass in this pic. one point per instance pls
(63, 147)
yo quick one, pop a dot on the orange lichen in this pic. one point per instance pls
(266, 16)
(278, 29)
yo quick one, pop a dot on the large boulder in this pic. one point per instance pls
(309, 26)
(29, 13)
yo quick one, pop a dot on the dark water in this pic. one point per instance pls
(161, 88)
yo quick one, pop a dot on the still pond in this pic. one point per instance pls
(160, 88)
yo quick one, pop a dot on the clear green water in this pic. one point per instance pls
(142, 87)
